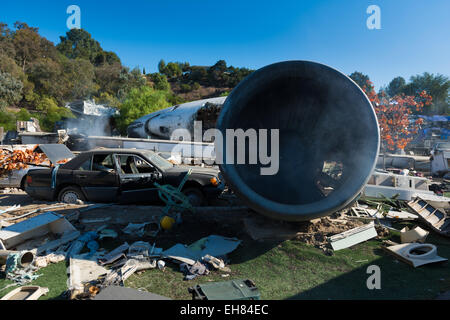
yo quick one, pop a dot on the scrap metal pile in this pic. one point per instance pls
(20, 159)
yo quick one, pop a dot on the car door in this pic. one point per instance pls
(136, 178)
(98, 178)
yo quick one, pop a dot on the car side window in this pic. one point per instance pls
(132, 164)
(103, 162)
(86, 166)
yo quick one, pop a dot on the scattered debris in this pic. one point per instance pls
(21, 272)
(161, 264)
(23, 258)
(216, 263)
(415, 235)
(415, 254)
(83, 270)
(192, 271)
(41, 225)
(85, 239)
(118, 277)
(107, 233)
(437, 220)
(139, 248)
(26, 293)
(373, 214)
(216, 246)
(67, 237)
(10, 209)
(44, 261)
(354, 236)
(137, 229)
(114, 255)
(385, 184)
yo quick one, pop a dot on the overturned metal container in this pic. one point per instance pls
(327, 147)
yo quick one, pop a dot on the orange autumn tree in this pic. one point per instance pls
(396, 130)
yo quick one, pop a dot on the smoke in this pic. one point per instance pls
(90, 126)
(91, 119)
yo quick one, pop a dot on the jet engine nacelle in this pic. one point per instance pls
(328, 139)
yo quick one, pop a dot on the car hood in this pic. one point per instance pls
(55, 152)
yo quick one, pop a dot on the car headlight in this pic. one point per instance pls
(214, 181)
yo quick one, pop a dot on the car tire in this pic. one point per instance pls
(195, 195)
(23, 183)
(70, 195)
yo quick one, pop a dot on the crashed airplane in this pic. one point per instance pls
(161, 124)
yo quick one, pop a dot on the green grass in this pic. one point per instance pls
(294, 270)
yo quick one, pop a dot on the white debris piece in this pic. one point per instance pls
(415, 235)
(353, 236)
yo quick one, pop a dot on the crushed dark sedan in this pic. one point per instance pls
(120, 175)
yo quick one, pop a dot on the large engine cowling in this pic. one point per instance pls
(328, 139)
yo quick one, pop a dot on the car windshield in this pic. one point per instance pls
(443, 145)
(158, 161)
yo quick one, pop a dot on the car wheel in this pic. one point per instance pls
(23, 183)
(195, 195)
(70, 195)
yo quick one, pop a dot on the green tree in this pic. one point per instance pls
(172, 70)
(23, 115)
(130, 80)
(437, 85)
(109, 77)
(360, 78)
(78, 43)
(396, 86)
(6, 41)
(10, 89)
(160, 81)
(51, 112)
(107, 99)
(161, 66)
(48, 78)
(139, 102)
(30, 46)
(8, 65)
(7, 120)
(27, 43)
(79, 75)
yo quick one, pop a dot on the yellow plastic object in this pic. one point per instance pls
(167, 222)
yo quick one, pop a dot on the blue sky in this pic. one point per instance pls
(414, 35)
